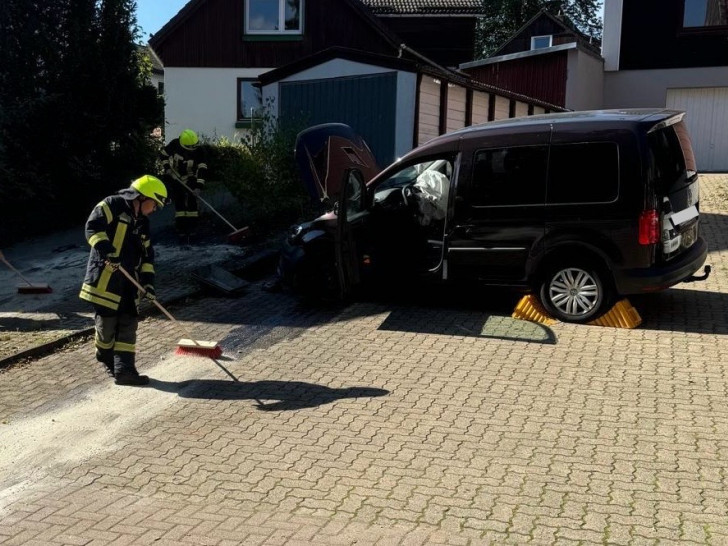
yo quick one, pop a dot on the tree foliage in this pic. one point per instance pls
(75, 114)
(504, 17)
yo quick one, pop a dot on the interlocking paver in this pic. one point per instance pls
(384, 423)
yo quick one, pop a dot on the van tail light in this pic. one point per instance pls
(649, 227)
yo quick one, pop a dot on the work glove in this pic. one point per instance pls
(113, 262)
(149, 292)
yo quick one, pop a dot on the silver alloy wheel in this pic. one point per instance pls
(574, 292)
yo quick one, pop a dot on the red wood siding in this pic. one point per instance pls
(213, 36)
(542, 77)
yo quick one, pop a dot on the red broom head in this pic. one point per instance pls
(209, 352)
(34, 289)
(239, 235)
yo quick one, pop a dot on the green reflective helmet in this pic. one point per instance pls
(188, 139)
(151, 187)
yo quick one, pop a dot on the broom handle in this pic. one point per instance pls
(155, 302)
(179, 179)
(2, 257)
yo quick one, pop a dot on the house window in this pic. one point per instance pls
(705, 13)
(540, 42)
(273, 16)
(250, 100)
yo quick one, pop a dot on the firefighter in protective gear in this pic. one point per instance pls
(184, 164)
(118, 231)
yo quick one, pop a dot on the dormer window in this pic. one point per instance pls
(274, 17)
(540, 42)
(705, 13)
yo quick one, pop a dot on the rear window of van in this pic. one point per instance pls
(671, 158)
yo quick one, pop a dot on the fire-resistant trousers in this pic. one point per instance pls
(116, 338)
(186, 209)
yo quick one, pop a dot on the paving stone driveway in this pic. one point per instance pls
(384, 423)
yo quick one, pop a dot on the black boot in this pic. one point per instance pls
(131, 379)
(125, 371)
(107, 360)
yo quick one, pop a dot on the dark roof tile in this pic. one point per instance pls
(425, 7)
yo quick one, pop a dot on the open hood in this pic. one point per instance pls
(324, 152)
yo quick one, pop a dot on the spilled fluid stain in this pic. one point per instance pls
(274, 329)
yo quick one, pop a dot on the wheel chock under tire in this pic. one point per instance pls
(621, 315)
(529, 308)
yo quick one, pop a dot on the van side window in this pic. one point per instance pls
(509, 176)
(583, 173)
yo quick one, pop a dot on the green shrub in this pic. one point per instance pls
(260, 171)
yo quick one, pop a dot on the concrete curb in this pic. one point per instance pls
(46, 348)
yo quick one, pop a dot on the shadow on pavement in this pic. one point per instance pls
(484, 313)
(268, 395)
(27, 324)
(456, 322)
(680, 310)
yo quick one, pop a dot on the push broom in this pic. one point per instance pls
(237, 234)
(188, 346)
(31, 288)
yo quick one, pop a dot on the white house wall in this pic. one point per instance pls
(648, 88)
(584, 81)
(338, 68)
(612, 36)
(155, 80)
(203, 99)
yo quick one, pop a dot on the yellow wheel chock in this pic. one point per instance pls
(621, 315)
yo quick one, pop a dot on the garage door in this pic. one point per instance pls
(707, 121)
(367, 104)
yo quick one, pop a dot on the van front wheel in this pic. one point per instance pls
(576, 293)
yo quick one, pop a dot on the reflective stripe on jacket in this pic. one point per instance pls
(112, 230)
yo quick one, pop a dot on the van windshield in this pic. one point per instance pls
(671, 157)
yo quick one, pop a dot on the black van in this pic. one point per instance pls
(578, 207)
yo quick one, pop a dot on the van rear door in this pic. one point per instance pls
(673, 175)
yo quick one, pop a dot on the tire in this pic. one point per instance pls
(576, 293)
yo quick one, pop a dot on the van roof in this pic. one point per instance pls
(631, 119)
(624, 118)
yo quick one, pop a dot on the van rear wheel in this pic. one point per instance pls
(575, 293)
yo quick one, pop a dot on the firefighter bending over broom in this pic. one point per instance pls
(118, 232)
(185, 169)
